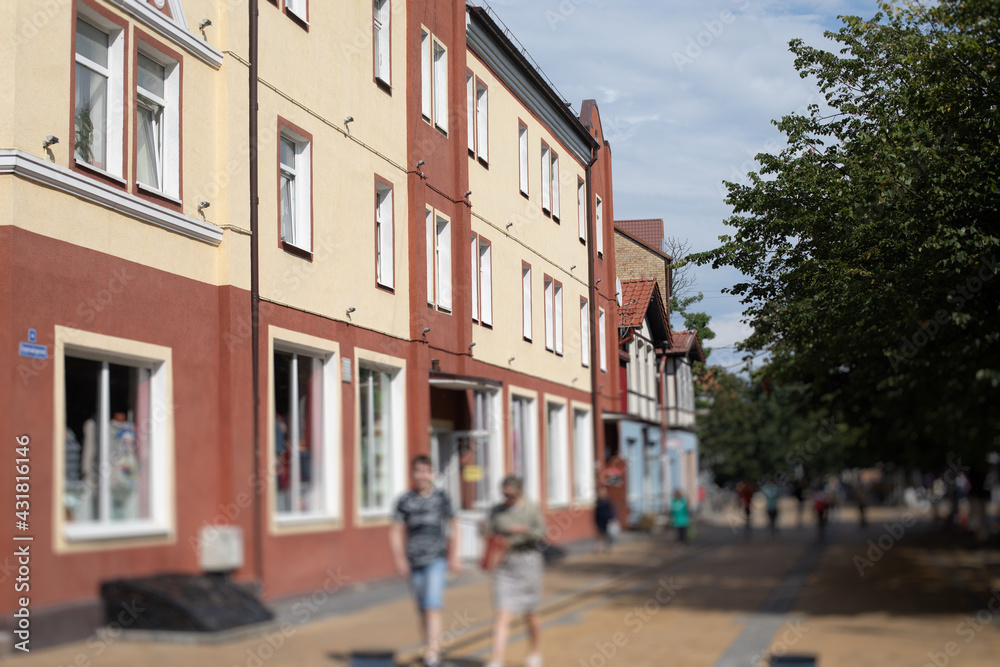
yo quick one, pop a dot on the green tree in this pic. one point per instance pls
(870, 242)
(682, 292)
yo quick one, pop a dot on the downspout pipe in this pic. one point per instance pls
(592, 305)
(258, 530)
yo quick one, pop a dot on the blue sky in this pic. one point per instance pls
(687, 91)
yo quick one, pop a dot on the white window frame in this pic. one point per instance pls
(301, 206)
(522, 151)
(555, 186)
(599, 226)
(431, 256)
(169, 130)
(474, 282)
(470, 108)
(557, 316)
(426, 82)
(158, 360)
(546, 178)
(581, 206)
(384, 236)
(603, 333)
(439, 61)
(300, 8)
(548, 287)
(443, 255)
(114, 131)
(583, 457)
(585, 332)
(382, 36)
(556, 455)
(530, 471)
(526, 301)
(396, 369)
(485, 282)
(328, 492)
(482, 121)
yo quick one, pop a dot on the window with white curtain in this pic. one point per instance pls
(581, 208)
(555, 185)
(381, 423)
(440, 85)
(549, 314)
(557, 455)
(443, 259)
(557, 309)
(599, 226)
(522, 151)
(296, 214)
(485, 282)
(584, 332)
(603, 333)
(98, 119)
(384, 238)
(546, 179)
(526, 300)
(381, 32)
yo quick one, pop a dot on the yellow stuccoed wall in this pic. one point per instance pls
(551, 248)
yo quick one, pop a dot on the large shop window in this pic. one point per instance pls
(583, 457)
(299, 447)
(381, 422)
(98, 108)
(557, 459)
(114, 457)
(524, 444)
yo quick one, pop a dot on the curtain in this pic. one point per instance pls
(148, 150)
(91, 113)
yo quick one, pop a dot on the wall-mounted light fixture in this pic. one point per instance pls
(420, 163)
(572, 267)
(511, 360)
(202, 206)
(204, 24)
(598, 282)
(347, 123)
(472, 344)
(467, 193)
(509, 225)
(50, 140)
(349, 311)
(425, 331)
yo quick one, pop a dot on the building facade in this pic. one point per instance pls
(268, 259)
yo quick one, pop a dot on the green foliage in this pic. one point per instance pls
(84, 139)
(870, 243)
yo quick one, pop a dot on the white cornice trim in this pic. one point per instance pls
(178, 32)
(42, 171)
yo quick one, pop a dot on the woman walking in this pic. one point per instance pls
(680, 516)
(517, 580)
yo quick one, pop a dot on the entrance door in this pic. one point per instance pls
(444, 456)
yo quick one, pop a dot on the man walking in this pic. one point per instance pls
(424, 519)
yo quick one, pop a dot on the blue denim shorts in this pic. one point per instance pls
(428, 584)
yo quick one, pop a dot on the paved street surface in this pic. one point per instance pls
(909, 597)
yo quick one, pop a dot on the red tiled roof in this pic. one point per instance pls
(635, 301)
(684, 343)
(649, 231)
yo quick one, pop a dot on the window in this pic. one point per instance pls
(526, 300)
(474, 283)
(117, 479)
(599, 225)
(298, 9)
(522, 149)
(583, 457)
(524, 445)
(425, 73)
(555, 186)
(557, 456)
(381, 36)
(584, 332)
(485, 282)
(470, 108)
(581, 206)
(482, 122)
(438, 260)
(557, 306)
(98, 119)
(549, 314)
(157, 123)
(384, 239)
(603, 333)
(382, 424)
(299, 429)
(546, 179)
(294, 188)
(440, 86)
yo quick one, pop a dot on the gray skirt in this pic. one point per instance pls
(517, 581)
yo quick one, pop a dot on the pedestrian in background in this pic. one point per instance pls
(745, 492)
(680, 516)
(821, 505)
(425, 519)
(604, 513)
(771, 495)
(799, 491)
(517, 580)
